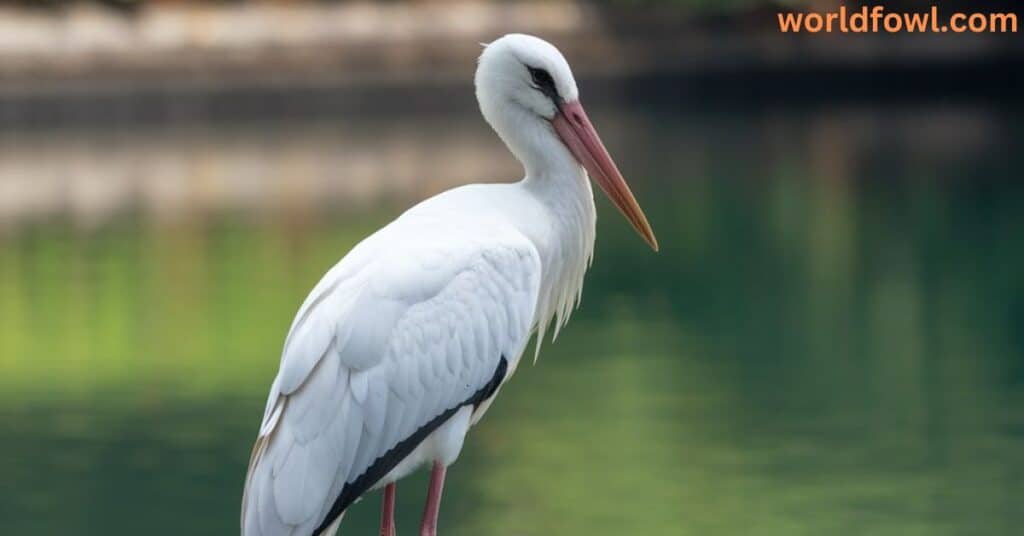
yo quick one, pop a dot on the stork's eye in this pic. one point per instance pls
(543, 82)
(541, 77)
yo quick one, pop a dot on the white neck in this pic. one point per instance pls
(569, 247)
(564, 229)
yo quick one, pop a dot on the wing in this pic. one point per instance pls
(408, 327)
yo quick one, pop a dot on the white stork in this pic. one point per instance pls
(402, 346)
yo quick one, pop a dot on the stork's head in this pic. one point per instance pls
(528, 95)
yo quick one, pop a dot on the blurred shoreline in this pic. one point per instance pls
(181, 60)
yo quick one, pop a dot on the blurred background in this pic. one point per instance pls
(831, 340)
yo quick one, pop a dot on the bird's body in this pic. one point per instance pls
(402, 346)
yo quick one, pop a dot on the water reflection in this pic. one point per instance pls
(829, 341)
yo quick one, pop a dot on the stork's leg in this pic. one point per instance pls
(387, 511)
(429, 525)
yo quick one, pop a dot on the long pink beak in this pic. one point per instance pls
(574, 127)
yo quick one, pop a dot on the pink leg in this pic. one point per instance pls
(387, 511)
(429, 525)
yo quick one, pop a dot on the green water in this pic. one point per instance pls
(830, 342)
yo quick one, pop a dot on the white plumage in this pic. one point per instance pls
(402, 345)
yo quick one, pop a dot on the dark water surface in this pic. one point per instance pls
(830, 342)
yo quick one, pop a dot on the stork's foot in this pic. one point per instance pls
(387, 511)
(428, 527)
